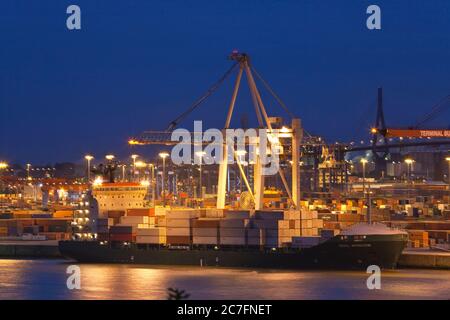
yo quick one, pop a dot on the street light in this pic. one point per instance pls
(134, 156)
(164, 155)
(408, 162)
(123, 171)
(151, 165)
(200, 154)
(109, 157)
(3, 165)
(28, 171)
(363, 162)
(139, 165)
(88, 159)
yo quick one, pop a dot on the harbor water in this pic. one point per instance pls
(47, 279)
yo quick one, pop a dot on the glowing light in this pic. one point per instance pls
(163, 155)
(409, 161)
(374, 130)
(134, 142)
(140, 164)
(363, 161)
(3, 165)
(98, 181)
(109, 157)
(88, 157)
(145, 183)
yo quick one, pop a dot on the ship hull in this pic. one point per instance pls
(336, 253)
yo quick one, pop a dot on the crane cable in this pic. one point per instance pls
(435, 110)
(280, 102)
(199, 101)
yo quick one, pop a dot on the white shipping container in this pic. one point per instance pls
(182, 214)
(284, 232)
(161, 221)
(178, 231)
(283, 224)
(204, 240)
(178, 223)
(131, 220)
(284, 240)
(151, 239)
(160, 211)
(308, 232)
(204, 232)
(151, 232)
(317, 223)
(294, 232)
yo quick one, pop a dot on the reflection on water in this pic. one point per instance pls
(46, 279)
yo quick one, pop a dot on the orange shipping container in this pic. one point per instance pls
(144, 212)
(63, 214)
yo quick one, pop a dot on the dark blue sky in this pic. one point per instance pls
(135, 65)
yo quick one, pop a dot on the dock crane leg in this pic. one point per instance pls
(223, 166)
(296, 140)
(269, 126)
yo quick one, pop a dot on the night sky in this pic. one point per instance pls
(135, 65)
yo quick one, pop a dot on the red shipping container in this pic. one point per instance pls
(183, 240)
(115, 213)
(122, 237)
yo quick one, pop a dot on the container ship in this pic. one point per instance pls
(288, 239)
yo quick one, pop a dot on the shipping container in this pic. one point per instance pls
(178, 240)
(234, 223)
(206, 223)
(178, 231)
(122, 229)
(134, 220)
(205, 232)
(205, 240)
(232, 232)
(146, 212)
(144, 239)
(232, 241)
(178, 223)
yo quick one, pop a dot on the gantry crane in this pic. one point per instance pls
(295, 134)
